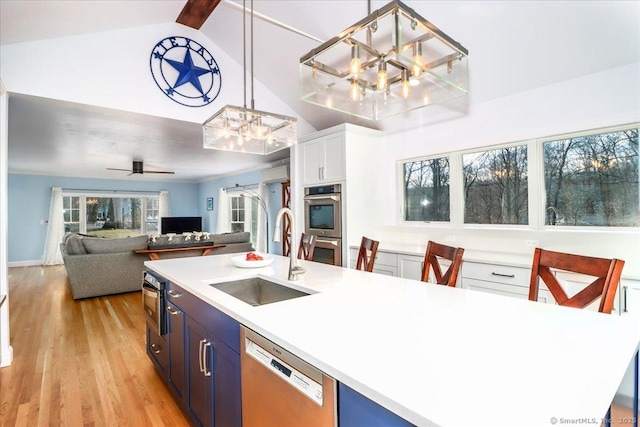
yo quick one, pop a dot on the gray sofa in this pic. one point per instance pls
(104, 266)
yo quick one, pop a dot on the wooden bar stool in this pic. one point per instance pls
(367, 254)
(307, 246)
(606, 271)
(435, 252)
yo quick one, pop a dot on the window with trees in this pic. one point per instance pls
(592, 180)
(587, 179)
(496, 186)
(426, 190)
(112, 216)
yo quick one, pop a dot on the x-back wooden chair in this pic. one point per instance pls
(367, 254)
(606, 271)
(435, 252)
(307, 246)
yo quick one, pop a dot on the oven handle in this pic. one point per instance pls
(332, 242)
(335, 197)
(150, 290)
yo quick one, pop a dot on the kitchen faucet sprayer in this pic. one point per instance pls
(294, 268)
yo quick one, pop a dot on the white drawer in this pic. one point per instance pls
(497, 273)
(516, 291)
(382, 258)
(386, 258)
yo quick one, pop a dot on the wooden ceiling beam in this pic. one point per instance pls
(195, 12)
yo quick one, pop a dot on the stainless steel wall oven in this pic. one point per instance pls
(153, 302)
(322, 211)
(323, 218)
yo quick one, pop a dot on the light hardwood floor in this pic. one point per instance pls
(78, 362)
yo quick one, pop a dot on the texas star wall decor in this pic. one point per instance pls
(185, 71)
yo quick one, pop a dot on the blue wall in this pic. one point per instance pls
(210, 189)
(29, 197)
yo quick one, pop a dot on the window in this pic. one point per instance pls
(152, 214)
(244, 215)
(111, 216)
(426, 190)
(592, 180)
(238, 215)
(495, 186)
(71, 214)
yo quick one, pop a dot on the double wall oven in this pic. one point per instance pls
(322, 218)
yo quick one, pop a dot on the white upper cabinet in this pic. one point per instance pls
(323, 159)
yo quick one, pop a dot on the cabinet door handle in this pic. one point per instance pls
(156, 348)
(493, 273)
(624, 295)
(172, 310)
(174, 294)
(200, 355)
(319, 173)
(204, 359)
(323, 175)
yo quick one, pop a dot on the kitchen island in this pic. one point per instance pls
(431, 354)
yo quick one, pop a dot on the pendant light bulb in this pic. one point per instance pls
(355, 61)
(382, 76)
(225, 131)
(355, 90)
(406, 86)
(418, 62)
(259, 128)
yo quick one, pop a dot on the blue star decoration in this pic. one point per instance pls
(189, 74)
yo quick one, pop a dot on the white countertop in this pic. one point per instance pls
(432, 354)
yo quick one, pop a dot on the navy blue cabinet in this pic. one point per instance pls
(200, 359)
(200, 400)
(175, 335)
(157, 350)
(355, 410)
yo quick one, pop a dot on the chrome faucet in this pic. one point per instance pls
(294, 268)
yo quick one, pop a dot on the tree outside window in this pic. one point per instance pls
(111, 216)
(496, 186)
(592, 180)
(426, 190)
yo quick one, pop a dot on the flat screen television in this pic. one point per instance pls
(180, 224)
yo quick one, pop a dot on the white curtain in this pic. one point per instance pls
(222, 225)
(55, 229)
(262, 245)
(163, 207)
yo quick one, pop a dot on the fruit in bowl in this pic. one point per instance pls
(252, 256)
(251, 260)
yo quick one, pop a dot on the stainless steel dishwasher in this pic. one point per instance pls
(279, 389)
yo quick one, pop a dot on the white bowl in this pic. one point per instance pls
(241, 261)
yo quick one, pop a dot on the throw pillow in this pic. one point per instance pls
(73, 245)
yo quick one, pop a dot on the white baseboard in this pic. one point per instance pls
(24, 263)
(6, 357)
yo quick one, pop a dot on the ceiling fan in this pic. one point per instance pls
(138, 169)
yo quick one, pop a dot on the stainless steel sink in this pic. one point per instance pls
(257, 291)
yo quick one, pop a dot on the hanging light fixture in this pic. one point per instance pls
(391, 62)
(246, 129)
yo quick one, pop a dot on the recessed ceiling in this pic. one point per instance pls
(513, 47)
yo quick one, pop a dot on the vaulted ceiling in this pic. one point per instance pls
(513, 47)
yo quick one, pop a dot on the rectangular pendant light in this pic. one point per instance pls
(391, 62)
